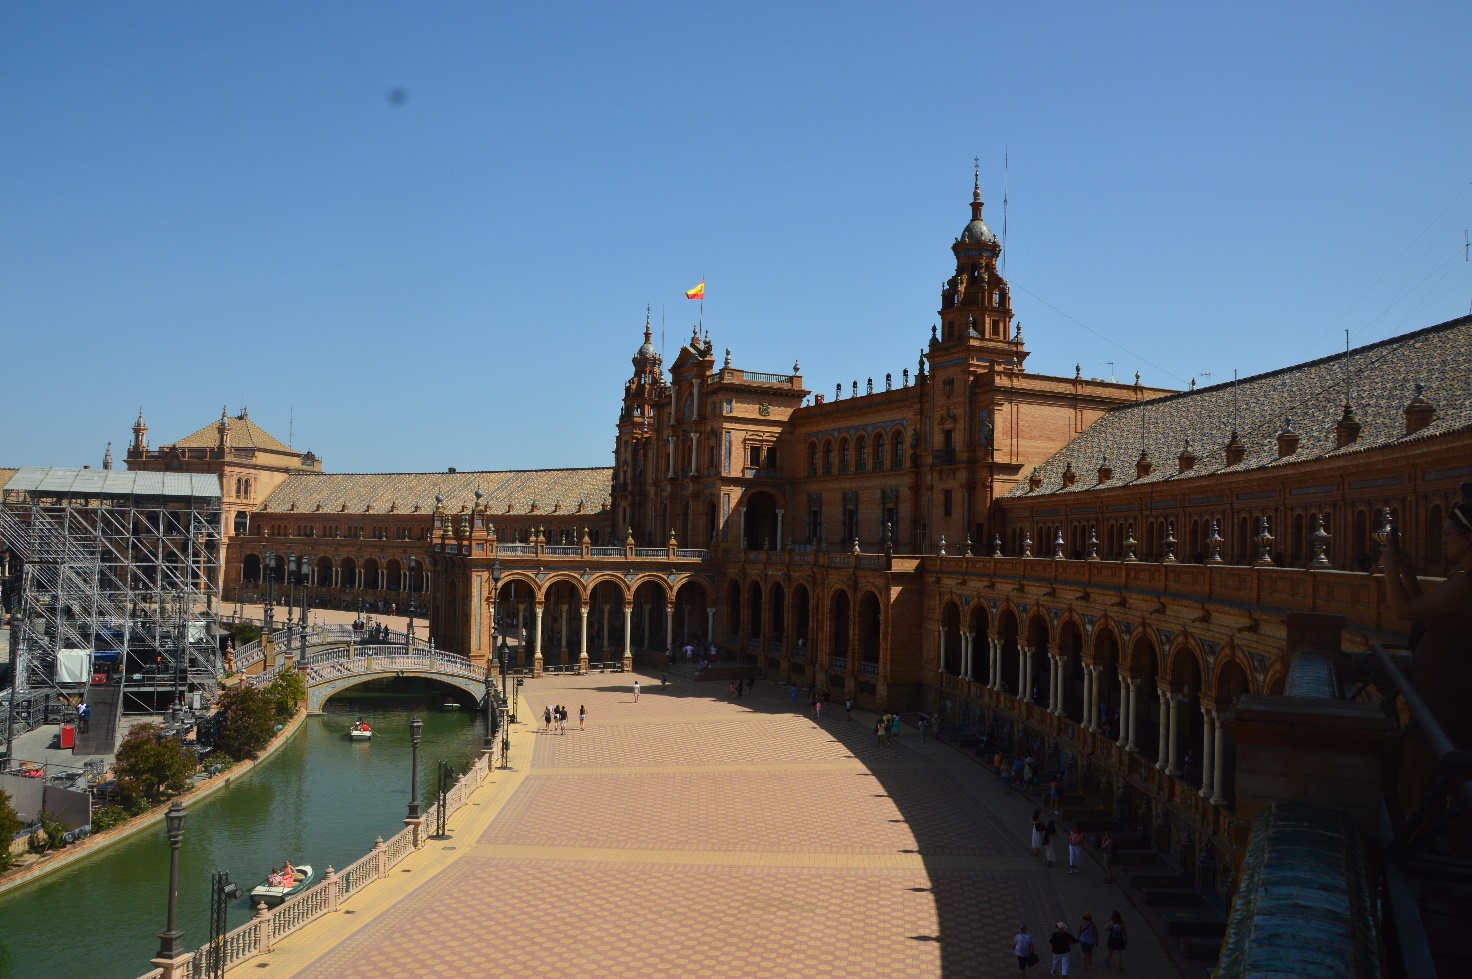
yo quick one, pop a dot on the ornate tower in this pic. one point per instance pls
(107, 457)
(975, 302)
(636, 456)
(139, 448)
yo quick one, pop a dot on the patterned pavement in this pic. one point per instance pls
(690, 834)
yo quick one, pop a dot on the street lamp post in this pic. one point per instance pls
(291, 588)
(416, 729)
(267, 613)
(306, 573)
(506, 720)
(409, 632)
(171, 939)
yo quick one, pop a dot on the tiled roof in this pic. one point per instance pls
(519, 489)
(5, 475)
(1381, 378)
(244, 434)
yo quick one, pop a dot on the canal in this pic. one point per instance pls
(321, 799)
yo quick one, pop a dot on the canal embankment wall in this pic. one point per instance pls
(99, 841)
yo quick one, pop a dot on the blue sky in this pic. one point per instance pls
(210, 204)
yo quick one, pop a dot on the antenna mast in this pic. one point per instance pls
(1006, 173)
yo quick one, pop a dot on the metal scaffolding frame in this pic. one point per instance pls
(116, 566)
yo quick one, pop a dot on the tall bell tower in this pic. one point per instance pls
(976, 302)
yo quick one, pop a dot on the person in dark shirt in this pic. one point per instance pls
(1061, 942)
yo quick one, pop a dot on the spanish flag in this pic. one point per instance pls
(697, 293)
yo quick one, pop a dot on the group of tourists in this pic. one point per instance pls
(554, 716)
(1061, 942)
(886, 729)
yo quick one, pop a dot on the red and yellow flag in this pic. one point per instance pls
(697, 293)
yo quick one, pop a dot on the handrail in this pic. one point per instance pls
(271, 925)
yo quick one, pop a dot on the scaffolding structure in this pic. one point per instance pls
(119, 578)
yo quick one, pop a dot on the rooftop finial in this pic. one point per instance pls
(976, 183)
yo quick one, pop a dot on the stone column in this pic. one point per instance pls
(694, 453)
(710, 625)
(1027, 683)
(537, 645)
(583, 640)
(1021, 691)
(1208, 751)
(1218, 791)
(1173, 764)
(1164, 746)
(628, 635)
(669, 441)
(996, 662)
(940, 632)
(669, 629)
(741, 540)
(1092, 673)
(1133, 743)
(1125, 709)
(779, 530)
(966, 639)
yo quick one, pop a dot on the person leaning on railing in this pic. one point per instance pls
(1441, 643)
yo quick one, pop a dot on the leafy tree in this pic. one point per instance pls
(287, 690)
(247, 719)
(9, 826)
(150, 767)
(244, 632)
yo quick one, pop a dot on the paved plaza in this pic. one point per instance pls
(690, 834)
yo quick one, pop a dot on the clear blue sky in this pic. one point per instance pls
(220, 203)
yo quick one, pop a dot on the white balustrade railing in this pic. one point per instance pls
(271, 925)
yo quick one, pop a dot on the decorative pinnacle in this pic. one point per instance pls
(976, 183)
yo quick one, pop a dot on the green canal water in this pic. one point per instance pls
(321, 799)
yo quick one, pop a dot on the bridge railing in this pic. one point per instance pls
(269, 926)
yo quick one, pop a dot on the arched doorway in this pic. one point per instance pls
(753, 628)
(869, 634)
(950, 639)
(370, 574)
(1106, 658)
(980, 643)
(1037, 644)
(250, 570)
(838, 613)
(692, 618)
(393, 574)
(777, 600)
(1145, 667)
(649, 616)
(348, 576)
(1185, 681)
(1231, 685)
(734, 629)
(515, 617)
(802, 616)
(1071, 651)
(761, 522)
(1007, 632)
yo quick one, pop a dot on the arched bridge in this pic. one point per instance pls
(333, 669)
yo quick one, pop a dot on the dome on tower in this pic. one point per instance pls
(646, 349)
(977, 233)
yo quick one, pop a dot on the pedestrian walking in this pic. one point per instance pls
(1106, 847)
(1075, 849)
(1050, 831)
(1055, 796)
(812, 701)
(750, 684)
(848, 709)
(636, 691)
(1027, 771)
(1088, 937)
(732, 688)
(547, 718)
(1023, 949)
(1116, 937)
(894, 726)
(1061, 943)
(794, 693)
(1006, 779)
(582, 716)
(562, 720)
(921, 726)
(84, 718)
(818, 711)
(879, 733)
(1037, 832)
(997, 767)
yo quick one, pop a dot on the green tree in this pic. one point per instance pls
(287, 691)
(247, 719)
(9, 826)
(243, 633)
(150, 767)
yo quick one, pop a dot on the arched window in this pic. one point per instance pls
(812, 458)
(897, 450)
(879, 452)
(237, 489)
(827, 458)
(861, 454)
(687, 410)
(843, 456)
(242, 523)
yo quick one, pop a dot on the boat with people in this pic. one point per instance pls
(360, 731)
(282, 884)
(450, 704)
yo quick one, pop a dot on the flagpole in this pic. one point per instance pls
(702, 303)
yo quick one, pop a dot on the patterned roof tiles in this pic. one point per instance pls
(1381, 379)
(518, 489)
(244, 434)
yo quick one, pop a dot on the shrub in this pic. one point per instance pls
(287, 691)
(150, 767)
(246, 719)
(244, 632)
(106, 817)
(9, 826)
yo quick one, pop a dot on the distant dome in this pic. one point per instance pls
(977, 233)
(645, 350)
